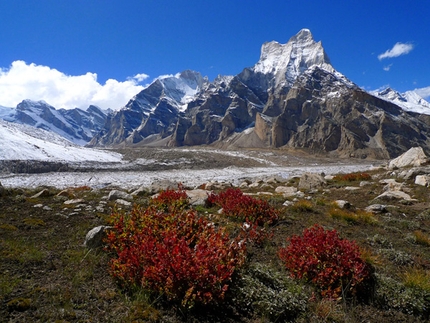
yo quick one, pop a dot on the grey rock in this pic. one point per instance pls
(412, 158)
(423, 180)
(376, 208)
(197, 196)
(394, 195)
(74, 201)
(286, 191)
(94, 237)
(162, 185)
(42, 193)
(123, 202)
(342, 204)
(310, 181)
(115, 195)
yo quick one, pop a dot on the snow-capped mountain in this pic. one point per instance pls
(78, 126)
(292, 97)
(23, 142)
(408, 101)
(152, 111)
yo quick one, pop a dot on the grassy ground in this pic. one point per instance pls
(47, 275)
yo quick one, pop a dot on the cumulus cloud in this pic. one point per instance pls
(37, 82)
(424, 92)
(397, 50)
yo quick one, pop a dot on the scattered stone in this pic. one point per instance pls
(74, 201)
(94, 237)
(140, 191)
(342, 204)
(393, 186)
(100, 209)
(38, 205)
(115, 195)
(310, 180)
(123, 202)
(197, 196)
(42, 193)
(66, 193)
(423, 180)
(272, 180)
(163, 185)
(47, 208)
(254, 185)
(287, 203)
(394, 195)
(243, 185)
(412, 158)
(351, 188)
(215, 185)
(365, 183)
(264, 193)
(376, 208)
(2, 190)
(328, 177)
(286, 191)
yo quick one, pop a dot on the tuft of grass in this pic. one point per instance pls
(417, 278)
(304, 206)
(421, 238)
(357, 217)
(34, 222)
(8, 227)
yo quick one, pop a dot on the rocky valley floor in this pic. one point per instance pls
(48, 275)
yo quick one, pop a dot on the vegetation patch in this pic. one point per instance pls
(332, 264)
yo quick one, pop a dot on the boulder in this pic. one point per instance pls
(286, 191)
(123, 202)
(42, 193)
(74, 201)
(423, 180)
(342, 204)
(163, 185)
(376, 208)
(394, 195)
(115, 195)
(94, 237)
(414, 157)
(311, 180)
(197, 196)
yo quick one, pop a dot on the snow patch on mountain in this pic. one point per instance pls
(23, 142)
(409, 101)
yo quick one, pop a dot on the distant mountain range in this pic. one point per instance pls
(292, 97)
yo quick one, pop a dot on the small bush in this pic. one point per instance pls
(244, 207)
(175, 254)
(171, 199)
(333, 264)
(353, 177)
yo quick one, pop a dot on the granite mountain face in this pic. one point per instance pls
(292, 97)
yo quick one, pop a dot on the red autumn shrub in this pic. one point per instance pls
(353, 177)
(171, 199)
(177, 254)
(244, 207)
(333, 264)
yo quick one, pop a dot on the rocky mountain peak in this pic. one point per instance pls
(285, 62)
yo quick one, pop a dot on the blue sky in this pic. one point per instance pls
(104, 51)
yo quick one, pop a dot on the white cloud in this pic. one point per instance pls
(397, 50)
(387, 68)
(37, 82)
(424, 92)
